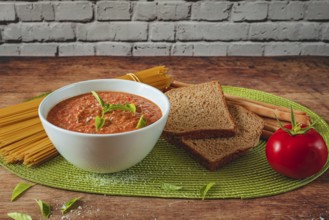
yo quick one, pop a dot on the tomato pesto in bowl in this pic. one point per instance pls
(104, 125)
(124, 113)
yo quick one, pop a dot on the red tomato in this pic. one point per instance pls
(296, 156)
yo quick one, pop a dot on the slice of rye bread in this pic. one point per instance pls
(213, 153)
(199, 111)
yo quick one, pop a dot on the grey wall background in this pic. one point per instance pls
(164, 28)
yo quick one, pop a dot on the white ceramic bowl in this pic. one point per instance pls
(105, 153)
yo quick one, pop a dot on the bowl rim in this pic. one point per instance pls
(43, 119)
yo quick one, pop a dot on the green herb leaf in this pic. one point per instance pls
(44, 208)
(100, 101)
(170, 187)
(141, 122)
(126, 107)
(19, 216)
(99, 122)
(204, 190)
(293, 121)
(106, 108)
(19, 189)
(69, 204)
(296, 128)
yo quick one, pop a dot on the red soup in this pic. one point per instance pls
(78, 113)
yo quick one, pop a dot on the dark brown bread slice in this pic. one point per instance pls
(199, 111)
(216, 152)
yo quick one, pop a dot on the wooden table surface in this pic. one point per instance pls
(301, 79)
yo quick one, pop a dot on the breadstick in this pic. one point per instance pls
(271, 113)
(280, 108)
(270, 127)
(177, 84)
(274, 122)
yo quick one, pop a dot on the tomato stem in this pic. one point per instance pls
(296, 128)
(293, 121)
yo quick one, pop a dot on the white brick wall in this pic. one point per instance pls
(277, 49)
(145, 11)
(245, 49)
(162, 31)
(210, 49)
(76, 49)
(7, 12)
(286, 10)
(38, 49)
(39, 32)
(113, 49)
(210, 11)
(109, 10)
(151, 49)
(73, 11)
(317, 10)
(249, 11)
(164, 28)
(35, 11)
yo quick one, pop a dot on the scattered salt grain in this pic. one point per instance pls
(99, 180)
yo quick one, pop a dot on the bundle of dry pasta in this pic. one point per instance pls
(156, 77)
(22, 138)
(267, 111)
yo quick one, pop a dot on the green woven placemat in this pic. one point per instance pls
(247, 177)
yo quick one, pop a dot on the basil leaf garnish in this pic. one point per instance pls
(100, 101)
(19, 216)
(44, 208)
(204, 190)
(170, 187)
(126, 107)
(141, 122)
(19, 189)
(100, 120)
(69, 204)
